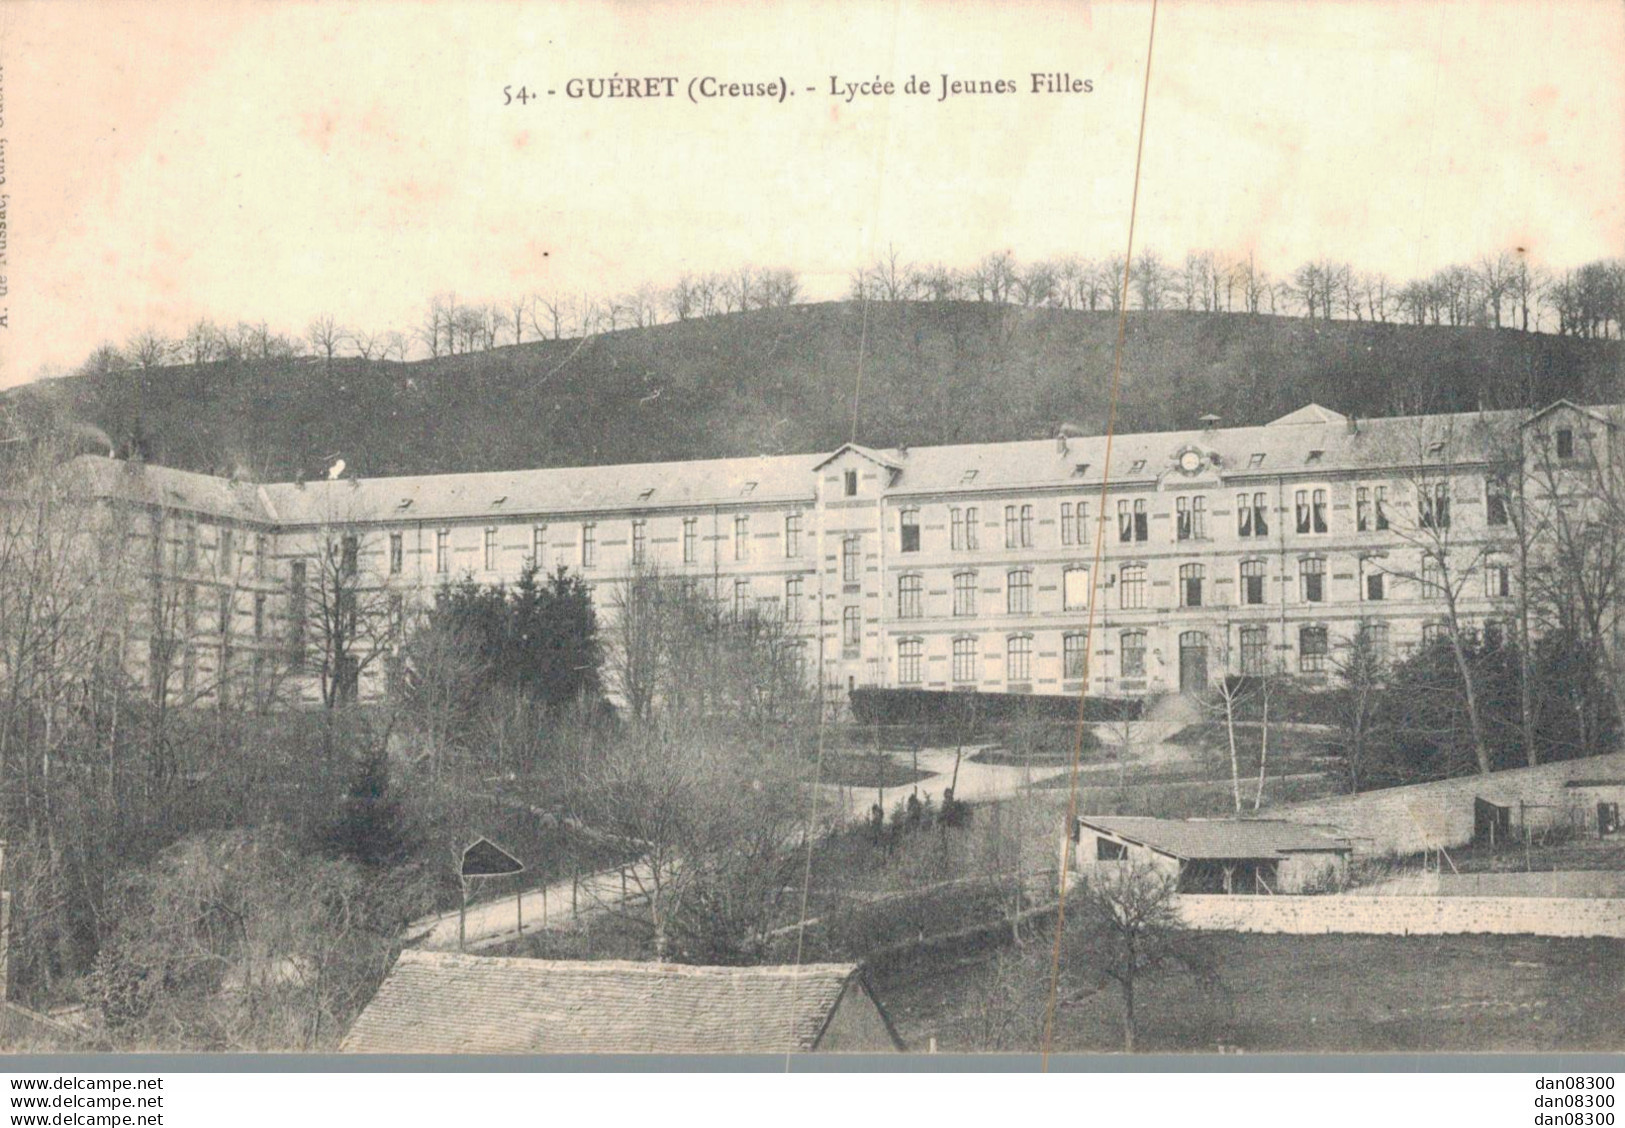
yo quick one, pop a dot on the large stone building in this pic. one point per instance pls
(1214, 550)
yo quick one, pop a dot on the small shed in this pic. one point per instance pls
(1215, 855)
(449, 1003)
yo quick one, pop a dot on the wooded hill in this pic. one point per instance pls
(786, 380)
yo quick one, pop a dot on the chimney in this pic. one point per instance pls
(1209, 421)
(1354, 425)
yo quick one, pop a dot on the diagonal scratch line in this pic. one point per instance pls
(1100, 546)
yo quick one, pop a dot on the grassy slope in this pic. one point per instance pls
(783, 381)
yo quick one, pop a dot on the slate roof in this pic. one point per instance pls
(445, 1002)
(1311, 442)
(1201, 839)
(572, 489)
(142, 483)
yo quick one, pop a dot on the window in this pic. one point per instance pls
(296, 610)
(849, 560)
(792, 534)
(397, 616)
(1131, 582)
(1380, 506)
(1312, 649)
(908, 661)
(1190, 585)
(260, 553)
(1018, 658)
(1026, 526)
(956, 529)
(1132, 522)
(1565, 443)
(189, 611)
(1018, 592)
(1191, 518)
(350, 551)
(851, 483)
(1074, 523)
(1310, 507)
(1075, 589)
(691, 539)
(1132, 655)
(964, 593)
(741, 598)
(396, 553)
(792, 597)
(1011, 526)
(910, 590)
(741, 537)
(964, 660)
(1254, 651)
(909, 530)
(1497, 577)
(259, 615)
(1252, 518)
(1376, 581)
(1312, 579)
(1108, 851)
(973, 535)
(1494, 634)
(223, 611)
(189, 546)
(538, 544)
(1497, 495)
(490, 550)
(1252, 581)
(1432, 577)
(1074, 655)
(851, 627)
(223, 555)
(1433, 634)
(442, 551)
(1362, 509)
(1373, 637)
(1433, 505)
(640, 542)
(589, 545)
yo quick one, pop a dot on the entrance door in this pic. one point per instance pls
(1192, 662)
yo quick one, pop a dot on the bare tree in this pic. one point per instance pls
(327, 336)
(1126, 929)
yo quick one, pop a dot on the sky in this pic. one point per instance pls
(279, 161)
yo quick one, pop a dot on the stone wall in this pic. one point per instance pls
(1406, 916)
(1407, 820)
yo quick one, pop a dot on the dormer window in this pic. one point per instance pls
(851, 483)
(646, 494)
(750, 488)
(405, 503)
(499, 499)
(1435, 450)
(969, 477)
(1080, 469)
(1139, 465)
(1315, 456)
(1565, 443)
(1255, 459)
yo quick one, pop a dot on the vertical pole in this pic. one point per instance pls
(519, 908)
(462, 912)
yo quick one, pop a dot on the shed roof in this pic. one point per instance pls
(444, 1002)
(1200, 839)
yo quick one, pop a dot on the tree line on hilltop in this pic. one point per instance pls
(1500, 290)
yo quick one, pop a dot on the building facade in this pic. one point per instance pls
(1134, 565)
